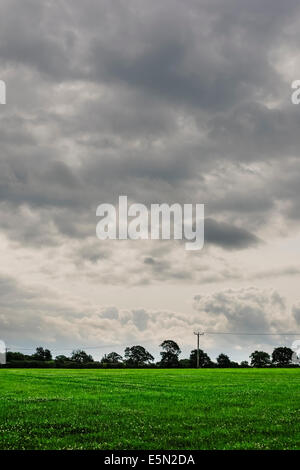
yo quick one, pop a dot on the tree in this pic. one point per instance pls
(223, 361)
(260, 359)
(234, 364)
(62, 359)
(204, 359)
(244, 364)
(81, 357)
(42, 354)
(170, 353)
(47, 355)
(137, 356)
(112, 358)
(184, 363)
(14, 356)
(282, 356)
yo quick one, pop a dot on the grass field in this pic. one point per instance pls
(150, 409)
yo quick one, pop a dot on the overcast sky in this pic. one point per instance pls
(164, 101)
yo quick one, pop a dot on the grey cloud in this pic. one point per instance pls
(110, 313)
(281, 272)
(141, 319)
(165, 102)
(246, 310)
(175, 55)
(30, 317)
(228, 236)
(296, 313)
(150, 113)
(253, 132)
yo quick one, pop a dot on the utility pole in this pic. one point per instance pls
(5, 356)
(198, 334)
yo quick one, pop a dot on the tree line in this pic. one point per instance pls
(139, 357)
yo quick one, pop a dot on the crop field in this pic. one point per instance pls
(150, 409)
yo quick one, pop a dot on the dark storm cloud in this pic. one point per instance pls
(168, 101)
(253, 132)
(194, 55)
(228, 236)
(163, 102)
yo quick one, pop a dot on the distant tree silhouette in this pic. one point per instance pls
(204, 359)
(61, 359)
(81, 357)
(282, 356)
(234, 364)
(42, 354)
(170, 353)
(223, 361)
(137, 356)
(244, 364)
(260, 359)
(15, 356)
(183, 363)
(112, 358)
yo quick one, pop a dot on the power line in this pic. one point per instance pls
(71, 349)
(250, 334)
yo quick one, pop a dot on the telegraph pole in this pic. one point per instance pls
(198, 334)
(6, 351)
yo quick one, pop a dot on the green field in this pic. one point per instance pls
(150, 409)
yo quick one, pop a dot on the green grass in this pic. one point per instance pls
(150, 409)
